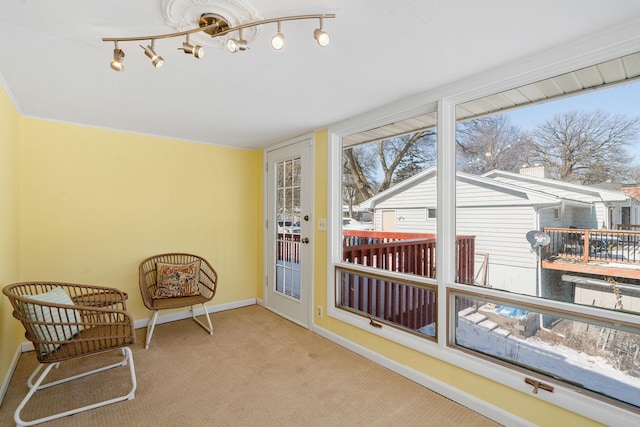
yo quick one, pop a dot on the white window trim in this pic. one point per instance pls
(600, 47)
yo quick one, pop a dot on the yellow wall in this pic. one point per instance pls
(523, 405)
(94, 203)
(86, 205)
(10, 334)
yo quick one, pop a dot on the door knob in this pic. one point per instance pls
(305, 240)
(306, 217)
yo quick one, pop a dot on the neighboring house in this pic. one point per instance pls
(608, 206)
(627, 217)
(499, 208)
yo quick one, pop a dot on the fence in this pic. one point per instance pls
(410, 306)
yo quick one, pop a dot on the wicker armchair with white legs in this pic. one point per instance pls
(176, 280)
(66, 321)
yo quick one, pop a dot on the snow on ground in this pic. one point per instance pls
(591, 372)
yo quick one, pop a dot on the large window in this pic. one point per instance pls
(386, 230)
(542, 189)
(513, 249)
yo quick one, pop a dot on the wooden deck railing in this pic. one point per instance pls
(410, 306)
(619, 246)
(413, 253)
(406, 305)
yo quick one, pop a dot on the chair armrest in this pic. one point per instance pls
(95, 296)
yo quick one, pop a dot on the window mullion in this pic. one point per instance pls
(446, 198)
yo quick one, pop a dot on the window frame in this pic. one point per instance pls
(600, 48)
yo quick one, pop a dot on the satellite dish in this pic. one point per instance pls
(538, 239)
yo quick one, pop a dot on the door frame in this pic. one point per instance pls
(307, 271)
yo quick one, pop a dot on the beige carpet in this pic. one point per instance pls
(257, 369)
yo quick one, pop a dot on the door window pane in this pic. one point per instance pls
(287, 277)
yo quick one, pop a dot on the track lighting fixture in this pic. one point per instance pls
(118, 58)
(321, 36)
(197, 50)
(156, 59)
(234, 45)
(277, 41)
(216, 26)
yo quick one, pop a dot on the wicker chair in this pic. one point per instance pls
(67, 321)
(206, 288)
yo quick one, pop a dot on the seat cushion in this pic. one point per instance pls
(177, 280)
(45, 318)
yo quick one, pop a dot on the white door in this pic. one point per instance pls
(289, 228)
(388, 220)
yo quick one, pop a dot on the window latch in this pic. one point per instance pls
(538, 385)
(373, 323)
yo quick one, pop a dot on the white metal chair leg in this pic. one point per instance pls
(206, 314)
(128, 359)
(150, 327)
(35, 373)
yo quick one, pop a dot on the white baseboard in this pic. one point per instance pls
(480, 406)
(185, 314)
(12, 368)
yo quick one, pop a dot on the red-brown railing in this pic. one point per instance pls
(413, 253)
(410, 306)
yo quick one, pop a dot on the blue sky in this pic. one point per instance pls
(621, 99)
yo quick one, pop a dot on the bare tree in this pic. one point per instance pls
(358, 177)
(488, 143)
(374, 167)
(404, 156)
(585, 147)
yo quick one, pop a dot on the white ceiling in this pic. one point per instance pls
(54, 65)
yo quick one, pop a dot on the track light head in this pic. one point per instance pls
(197, 50)
(118, 59)
(321, 36)
(234, 45)
(156, 60)
(277, 41)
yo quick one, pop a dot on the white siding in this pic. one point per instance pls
(547, 219)
(501, 232)
(499, 220)
(423, 194)
(601, 215)
(415, 220)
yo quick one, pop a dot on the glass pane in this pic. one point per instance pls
(598, 357)
(404, 305)
(541, 190)
(388, 190)
(287, 277)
